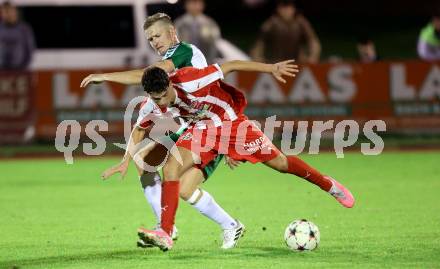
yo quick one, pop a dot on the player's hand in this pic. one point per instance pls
(122, 168)
(93, 78)
(231, 162)
(285, 68)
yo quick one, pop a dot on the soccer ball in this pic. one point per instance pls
(302, 235)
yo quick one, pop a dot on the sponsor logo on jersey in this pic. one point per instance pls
(256, 145)
(187, 136)
(170, 51)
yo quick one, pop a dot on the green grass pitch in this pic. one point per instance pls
(54, 215)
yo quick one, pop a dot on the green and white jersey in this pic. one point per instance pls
(184, 54)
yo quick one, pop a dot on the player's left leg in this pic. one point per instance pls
(296, 166)
(202, 201)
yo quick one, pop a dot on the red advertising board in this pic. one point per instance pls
(16, 107)
(405, 95)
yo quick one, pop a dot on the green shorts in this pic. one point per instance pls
(208, 169)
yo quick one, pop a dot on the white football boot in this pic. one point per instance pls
(231, 236)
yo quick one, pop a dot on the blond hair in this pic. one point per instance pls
(158, 17)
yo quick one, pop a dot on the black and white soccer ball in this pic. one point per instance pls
(302, 235)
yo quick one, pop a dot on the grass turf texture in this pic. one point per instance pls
(58, 216)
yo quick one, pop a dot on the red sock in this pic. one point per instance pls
(299, 168)
(170, 201)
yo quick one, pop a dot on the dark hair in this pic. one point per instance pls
(162, 17)
(155, 80)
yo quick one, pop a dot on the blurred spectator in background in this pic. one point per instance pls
(287, 35)
(428, 45)
(196, 28)
(366, 50)
(16, 40)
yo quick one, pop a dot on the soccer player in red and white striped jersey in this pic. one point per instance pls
(218, 126)
(162, 37)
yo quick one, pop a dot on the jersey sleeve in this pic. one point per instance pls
(143, 120)
(181, 55)
(191, 79)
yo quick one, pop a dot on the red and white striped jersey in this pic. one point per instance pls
(150, 111)
(202, 95)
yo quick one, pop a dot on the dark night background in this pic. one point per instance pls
(393, 25)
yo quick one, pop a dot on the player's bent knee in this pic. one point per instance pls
(185, 194)
(191, 196)
(187, 190)
(170, 176)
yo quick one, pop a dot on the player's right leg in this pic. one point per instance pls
(152, 184)
(173, 171)
(189, 191)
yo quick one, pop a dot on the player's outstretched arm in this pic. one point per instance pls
(126, 77)
(136, 136)
(278, 70)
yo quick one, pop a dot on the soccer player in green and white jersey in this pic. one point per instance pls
(163, 39)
